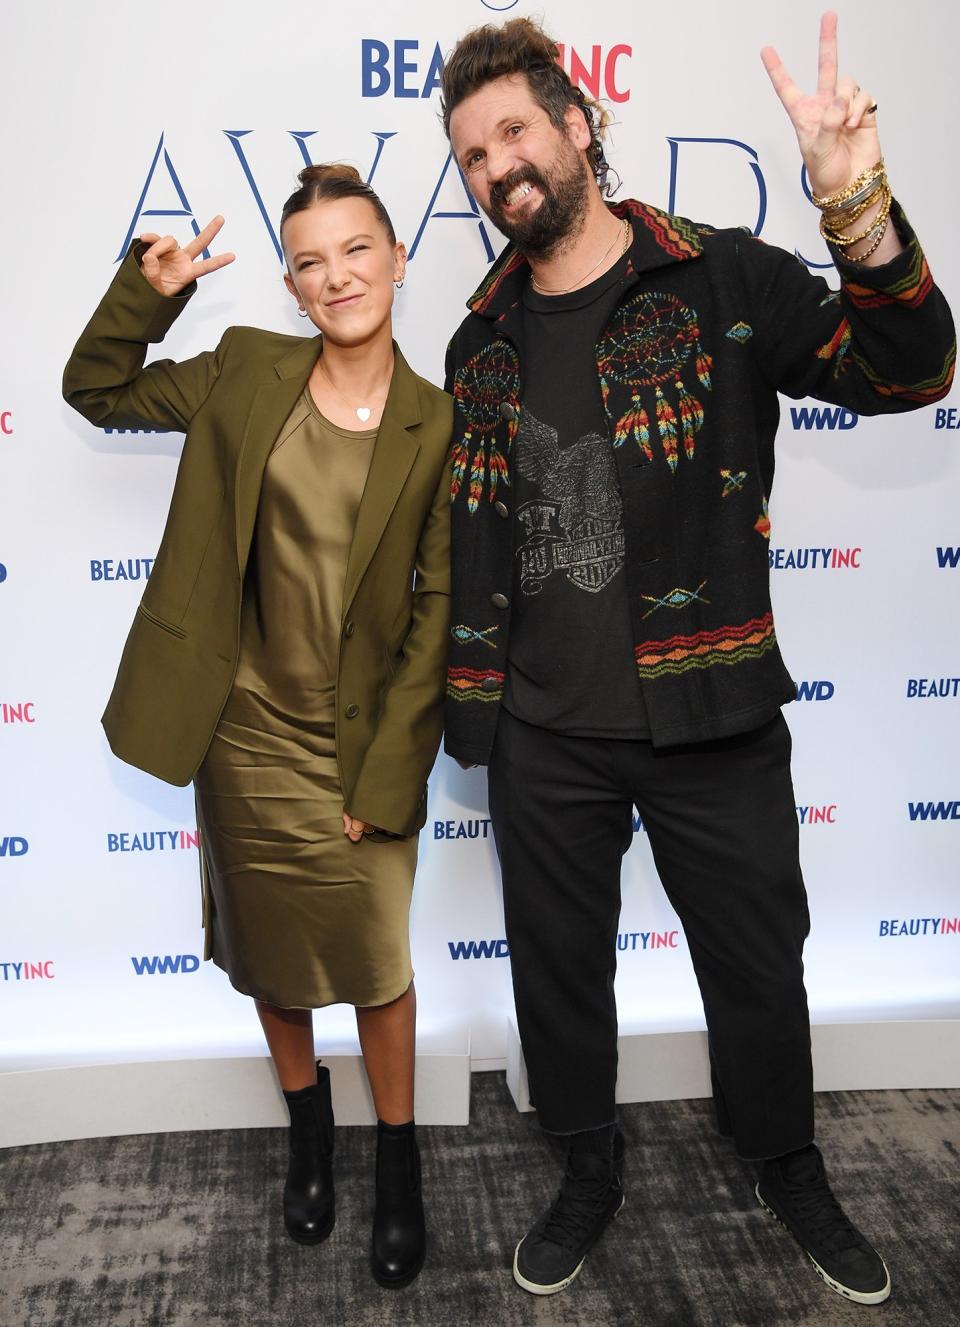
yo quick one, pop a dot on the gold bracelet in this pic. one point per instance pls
(832, 236)
(873, 247)
(862, 187)
(837, 200)
(840, 218)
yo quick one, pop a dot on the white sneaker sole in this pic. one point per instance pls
(536, 1289)
(857, 1296)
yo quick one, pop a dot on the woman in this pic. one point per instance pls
(288, 653)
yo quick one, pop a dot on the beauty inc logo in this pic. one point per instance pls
(153, 840)
(404, 67)
(933, 688)
(21, 711)
(814, 559)
(462, 829)
(121, 569)
(919, 927)
(27, 970)
(946, 417)
(817, 815)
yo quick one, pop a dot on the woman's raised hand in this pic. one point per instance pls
(169, 268)
(837, 126)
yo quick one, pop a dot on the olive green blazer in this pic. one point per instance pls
(180, 658)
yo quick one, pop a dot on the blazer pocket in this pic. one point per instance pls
(159, 622)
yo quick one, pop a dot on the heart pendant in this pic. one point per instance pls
(363, 413)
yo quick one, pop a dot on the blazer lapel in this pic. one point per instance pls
(275, 397)
(394, 453)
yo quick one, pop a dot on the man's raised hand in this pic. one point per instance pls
(837, 125)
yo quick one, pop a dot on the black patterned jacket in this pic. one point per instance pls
(710, 325)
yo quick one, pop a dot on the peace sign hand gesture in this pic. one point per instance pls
(837, 126)
(169, 268)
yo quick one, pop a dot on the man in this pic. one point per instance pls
(613, 643)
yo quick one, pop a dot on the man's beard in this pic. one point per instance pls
(562, 211)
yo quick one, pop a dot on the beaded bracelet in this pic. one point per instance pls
(842, 210)
(844, 241)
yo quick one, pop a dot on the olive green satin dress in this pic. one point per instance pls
(298, 915)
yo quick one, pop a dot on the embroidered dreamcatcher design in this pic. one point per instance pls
(652, 348)
(487, 390)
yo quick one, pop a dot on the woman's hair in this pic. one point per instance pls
(329, 181)
(521, 46)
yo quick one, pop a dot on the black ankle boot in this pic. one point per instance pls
(399, 1233)
(308, 1199)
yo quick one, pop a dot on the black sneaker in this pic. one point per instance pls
(794, 1189)
(551, 1254)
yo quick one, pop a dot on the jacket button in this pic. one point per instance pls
(499, 600)
(352, 711)
(507, 410)
(501, 509)
(349, 629)
(490, 684)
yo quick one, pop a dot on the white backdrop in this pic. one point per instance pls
(110, 111)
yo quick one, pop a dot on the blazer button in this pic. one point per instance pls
(507, 410)
(499, 600)
(349, 629)
(490, 684)
(352, 711)
(501, 509)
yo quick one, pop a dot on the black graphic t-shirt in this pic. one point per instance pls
(570, 659)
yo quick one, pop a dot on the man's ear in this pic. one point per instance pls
(578, 130)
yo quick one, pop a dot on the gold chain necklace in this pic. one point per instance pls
(362, 412)
(624, 233)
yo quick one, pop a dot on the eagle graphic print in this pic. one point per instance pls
(571, 522)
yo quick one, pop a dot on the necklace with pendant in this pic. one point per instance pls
(362, 412)
(623, 235)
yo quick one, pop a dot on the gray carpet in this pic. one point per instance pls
(175, 1229)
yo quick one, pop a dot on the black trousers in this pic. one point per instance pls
(722, 824)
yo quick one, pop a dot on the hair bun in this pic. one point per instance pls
(330, 182)
(331, 170)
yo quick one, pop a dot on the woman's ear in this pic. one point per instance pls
(288, 282)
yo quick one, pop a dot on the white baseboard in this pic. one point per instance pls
(101, 1101)
(97, 1101)
(847, 1057)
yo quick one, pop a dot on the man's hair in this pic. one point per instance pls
(521, 46)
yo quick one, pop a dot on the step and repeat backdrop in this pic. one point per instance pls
(120, 119)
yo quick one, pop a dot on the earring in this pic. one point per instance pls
(302, 311)
(399, 284)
